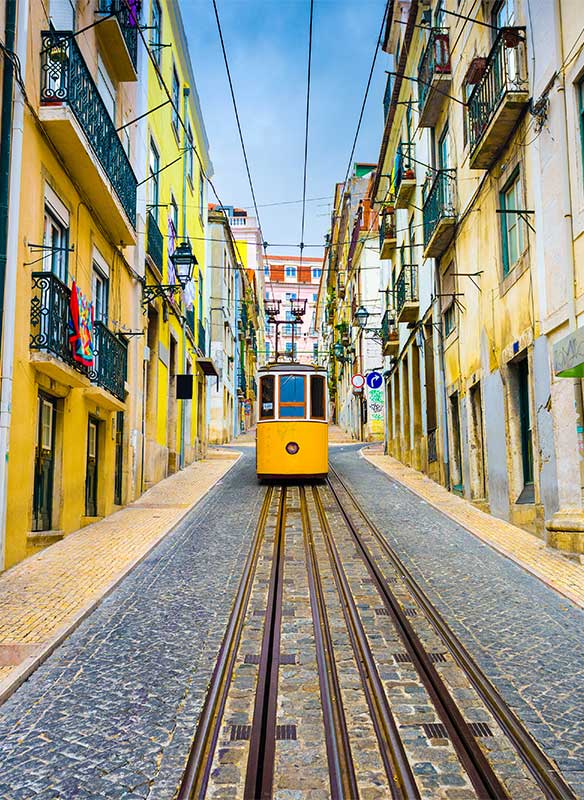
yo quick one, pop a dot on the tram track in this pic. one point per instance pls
(322, 539)
(547, 777)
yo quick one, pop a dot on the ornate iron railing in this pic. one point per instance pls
(389, 328)
(201, 339)
(128, 16)
(435, 60)
(407, 286)
(65, 78)
(386, 228)
(404, 164)
(110, 361)
(439, 202)
(154, 240)
(505, 71)
(49, 332)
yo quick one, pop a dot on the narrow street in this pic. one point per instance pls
(325, 610)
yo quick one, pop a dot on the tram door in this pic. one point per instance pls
(44, 468)
(91, 472)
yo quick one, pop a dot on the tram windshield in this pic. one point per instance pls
(317, 397)
(267, 397)
(292, 396)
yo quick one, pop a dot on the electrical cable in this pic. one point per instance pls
(306, 129)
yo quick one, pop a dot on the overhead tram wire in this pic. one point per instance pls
(178, 115)
(306, 129)
(240, 131)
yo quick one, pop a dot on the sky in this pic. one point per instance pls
(267, 48)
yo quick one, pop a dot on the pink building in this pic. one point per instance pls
(287, 278)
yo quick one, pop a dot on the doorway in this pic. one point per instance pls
(457, 483)
(119, 468)
(92, 467)
(44, 467)
(477, 445)
(172, 414)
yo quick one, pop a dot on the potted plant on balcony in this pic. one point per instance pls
(511, 37)
(343, 329)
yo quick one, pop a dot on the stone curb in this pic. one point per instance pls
(574, 598)
(24, 670)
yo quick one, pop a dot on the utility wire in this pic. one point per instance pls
(306, 128)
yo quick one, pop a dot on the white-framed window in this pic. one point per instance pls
(174, 213)
(201, 194)
(56, 244)
(267, 271)
(190, 153)
(62, 15)
(46, 424)
(316, 273)
(106, 88)
(153, 182)
(290, 272)
(512, 223)
(156, 32)
(100, 294)
(175, 100)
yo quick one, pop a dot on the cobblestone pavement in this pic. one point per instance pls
(530, 552)
(112, 712)
(526, 637)
(42, 597)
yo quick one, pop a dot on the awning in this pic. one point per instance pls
(207, 367)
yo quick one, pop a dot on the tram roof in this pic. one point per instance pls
(291, 366)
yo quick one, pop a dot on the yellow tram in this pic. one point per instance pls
(292, 424)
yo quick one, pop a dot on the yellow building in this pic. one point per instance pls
(92, 346)
(176, 212)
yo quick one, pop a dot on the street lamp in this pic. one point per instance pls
(361, 316)
(183, 261)
(298, 308)
(272, 309)
(339, 350)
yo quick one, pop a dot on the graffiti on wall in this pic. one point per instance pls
(375, 409)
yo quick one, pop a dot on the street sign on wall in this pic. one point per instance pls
(374, 380)
(358, 381)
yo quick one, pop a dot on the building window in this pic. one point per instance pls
(315, 298)
(581, 114)
(290, 272)
(267, 273)
(316, 273)
(100, 294)
(175, 101)
(56, 242)
(106, 88)
(512, 225)
(288, 328)
(201, 193)
(190, 153)
(174, 215)
(153, 168)
(449, 320)
(156, 32)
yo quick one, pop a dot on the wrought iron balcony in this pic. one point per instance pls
(433, 77)
(499, 98)
(49, 333)
(201, 337)
(241, 383)
(406, 294)
(118, 33)
(387, 234)
(87, 140)
(404, 174)
(439, 214)
(110, 362)
(154, 241)
(389, 333)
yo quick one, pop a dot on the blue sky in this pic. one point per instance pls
(267, 46)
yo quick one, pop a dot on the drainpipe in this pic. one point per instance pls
(10, 169)
(568, 233)
(186, 93)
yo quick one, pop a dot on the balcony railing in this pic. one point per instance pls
(406, 291)
(201, 338)
(439, 213)
(154, 240)
(505, 74)
(241, 382)
(404, 173)
(65, 78)
(110, 362)
(128, 19)
(387, 234)
(389, 332)
(49, 332)
(433, 76)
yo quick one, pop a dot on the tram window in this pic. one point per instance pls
(292, 396)
(317, 397)
(267, 397)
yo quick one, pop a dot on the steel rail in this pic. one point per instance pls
(343, 783)
(549, 780)
(196, 775)
(402, 784)
(479, 771)
(259, 777)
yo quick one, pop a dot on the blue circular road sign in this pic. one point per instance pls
(374, 380)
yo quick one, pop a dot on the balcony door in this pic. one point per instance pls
(55, 245)
(91, 474)
(44, 467)
(62, 15)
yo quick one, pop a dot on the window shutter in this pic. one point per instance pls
(62, 14)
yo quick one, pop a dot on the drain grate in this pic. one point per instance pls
(240, 733)
(409, 611)
(288, 658)
(251, 658)
(435, 730)
(438, 658)
(401, 658)
(480, 729)
(285, 732)
(382, 612)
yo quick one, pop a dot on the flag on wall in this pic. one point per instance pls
(81, 327)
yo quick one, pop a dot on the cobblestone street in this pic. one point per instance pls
(113, 711)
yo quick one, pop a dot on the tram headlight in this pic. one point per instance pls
(292, 448)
